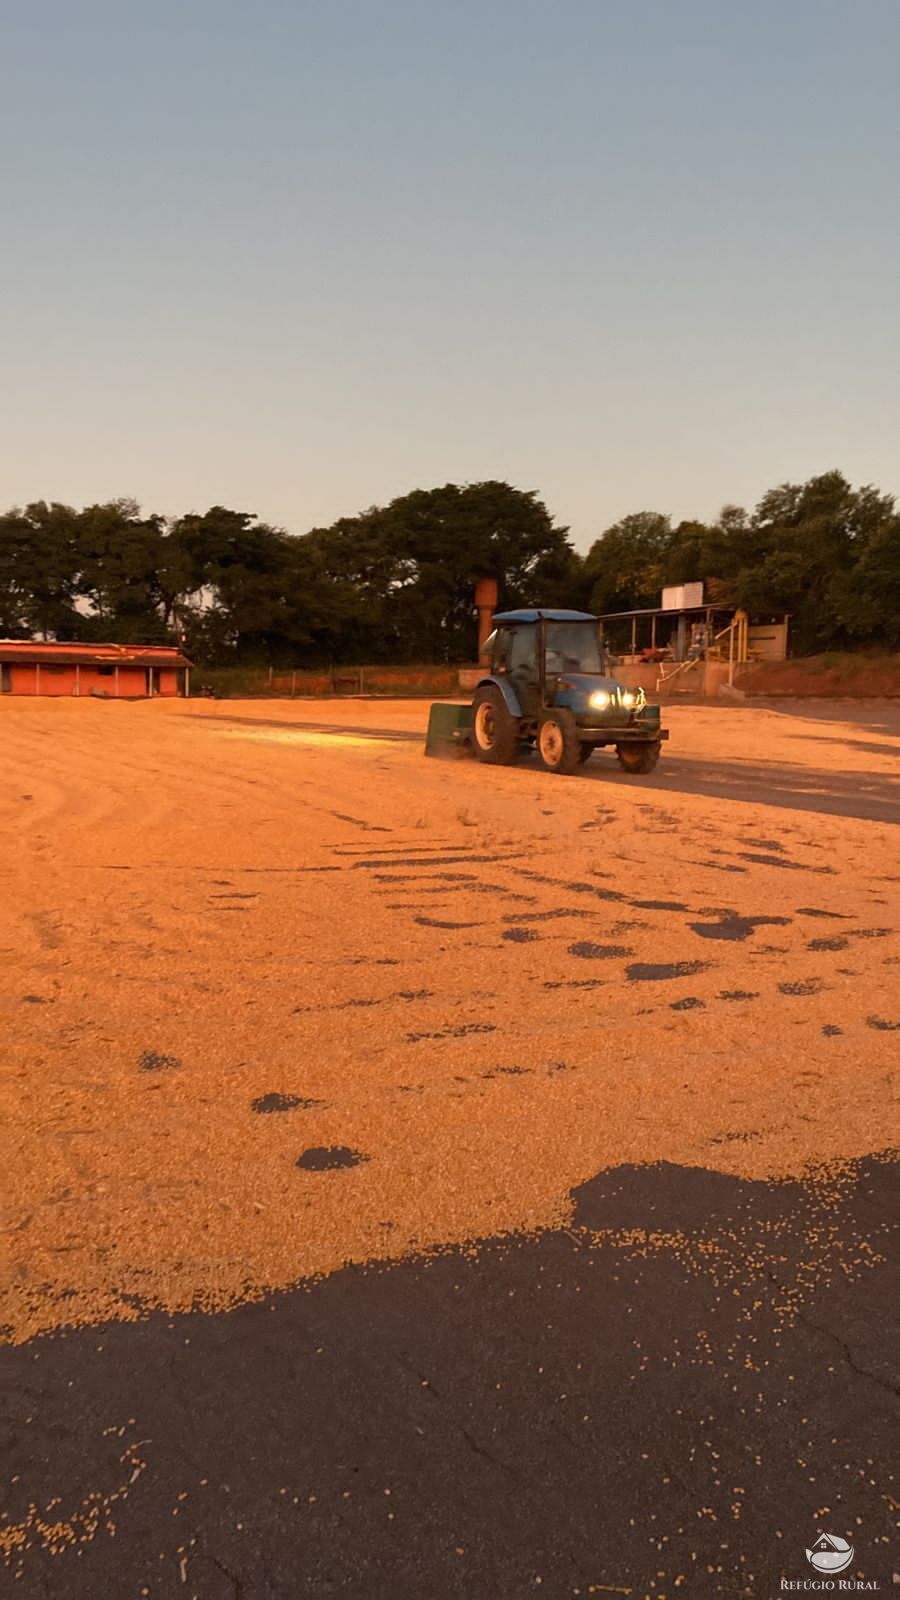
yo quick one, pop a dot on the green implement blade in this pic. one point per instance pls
(448, 730)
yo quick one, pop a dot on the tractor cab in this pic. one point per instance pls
(533, 650)
(548, 685)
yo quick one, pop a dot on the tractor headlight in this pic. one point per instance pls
(628, 699)
(599, 699)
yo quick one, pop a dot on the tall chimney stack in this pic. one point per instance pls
(486, 601)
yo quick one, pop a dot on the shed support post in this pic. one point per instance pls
(77, 678)
(37, 677)
(653, 633)
(187, 683)
(116, 680)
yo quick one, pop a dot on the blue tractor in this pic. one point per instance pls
(549, 687)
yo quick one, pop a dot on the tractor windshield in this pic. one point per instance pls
(573, 647)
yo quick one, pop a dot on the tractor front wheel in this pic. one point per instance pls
(638, 757)
(495, 731)
(558, 743)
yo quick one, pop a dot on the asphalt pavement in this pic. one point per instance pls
(674, 1395)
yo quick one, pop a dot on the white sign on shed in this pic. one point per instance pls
(679, 596)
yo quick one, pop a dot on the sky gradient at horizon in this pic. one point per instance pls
(301, 258)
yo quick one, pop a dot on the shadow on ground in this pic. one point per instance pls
(872, 716)
(673, 1395)
(869, 796)
(864, 746)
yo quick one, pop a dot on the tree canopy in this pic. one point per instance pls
(824, 552)
(395, 583)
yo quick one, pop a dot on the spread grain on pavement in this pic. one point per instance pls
(278, 993)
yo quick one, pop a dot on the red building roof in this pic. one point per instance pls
(58, 652)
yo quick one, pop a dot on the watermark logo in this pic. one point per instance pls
(830, 1553)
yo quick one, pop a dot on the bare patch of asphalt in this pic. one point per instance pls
(676, 1393)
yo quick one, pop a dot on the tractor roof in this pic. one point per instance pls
(549, 616)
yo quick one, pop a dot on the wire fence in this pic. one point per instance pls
(300, 682)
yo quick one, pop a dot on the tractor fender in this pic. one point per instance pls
(507, 691)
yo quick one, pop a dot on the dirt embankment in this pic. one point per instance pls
(832, 676)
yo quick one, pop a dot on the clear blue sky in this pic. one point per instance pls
(299, 258)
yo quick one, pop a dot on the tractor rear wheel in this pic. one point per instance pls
(495, 731)
(559, 746)
(638, 757)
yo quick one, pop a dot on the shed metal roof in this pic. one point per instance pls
(663, 611)
(718, 607)
(57, 652)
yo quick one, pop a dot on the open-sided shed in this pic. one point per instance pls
(109, 671)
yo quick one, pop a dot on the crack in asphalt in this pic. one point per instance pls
(236, 1583)
(487, 1455)
(847, 1352)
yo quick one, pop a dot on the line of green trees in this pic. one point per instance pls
(395, 583)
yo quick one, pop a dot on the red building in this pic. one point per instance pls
(113, 671)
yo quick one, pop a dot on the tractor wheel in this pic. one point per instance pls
(585, 751)
(638, 757)
(495, 731)
(559, 746)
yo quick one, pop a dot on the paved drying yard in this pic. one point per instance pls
(424, 1180)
